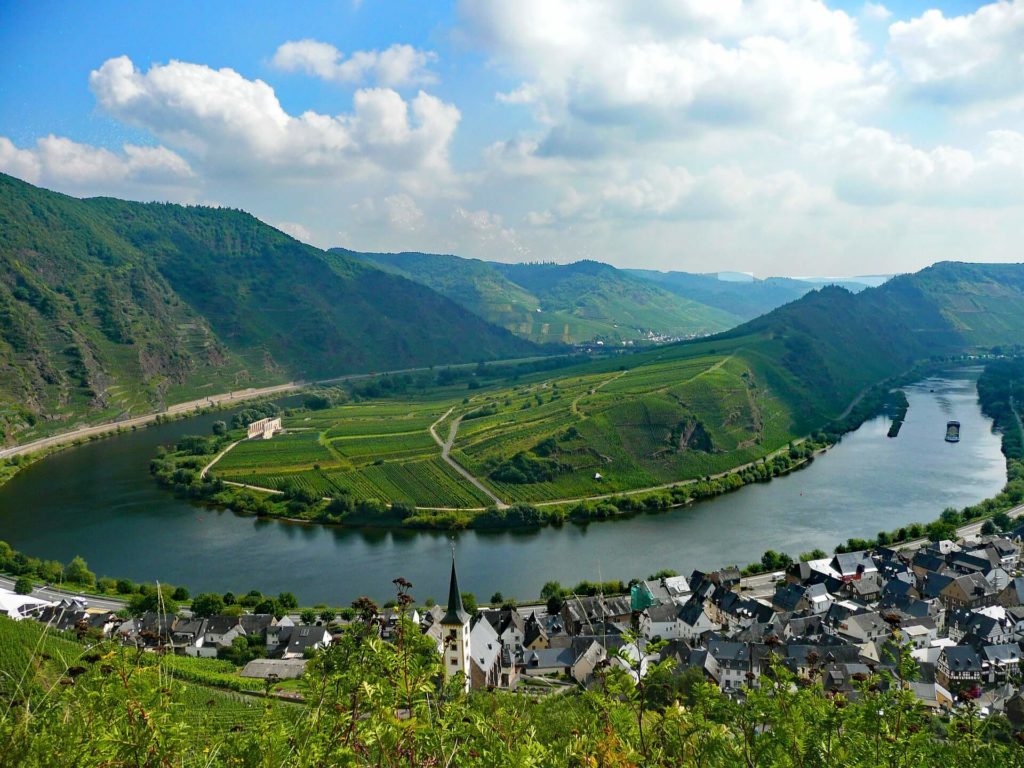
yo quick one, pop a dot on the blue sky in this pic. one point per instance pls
(775, 136)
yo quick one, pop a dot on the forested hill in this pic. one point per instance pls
(745, 300)
(834, 342)
(569, 303)
(110, 307)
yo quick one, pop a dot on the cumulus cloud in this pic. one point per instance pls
(661, 68)
(238, 126)
(296, 230)
(875, 12)
(675, 193)
(877, 168)
(68, 165)
(976, 58)
(397, 66)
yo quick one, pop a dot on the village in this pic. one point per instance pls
(957, 607)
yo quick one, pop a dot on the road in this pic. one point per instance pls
(446, 448)
(111, 426)
(971, 529)
(55, 594)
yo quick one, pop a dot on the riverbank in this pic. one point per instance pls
(90, 501)
(190, 473)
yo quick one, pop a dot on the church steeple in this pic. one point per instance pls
(455, 615)
(456, 641)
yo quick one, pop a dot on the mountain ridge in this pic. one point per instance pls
(110, 307)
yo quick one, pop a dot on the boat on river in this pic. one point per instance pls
(952, 431)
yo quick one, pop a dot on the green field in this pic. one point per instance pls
(639, 421)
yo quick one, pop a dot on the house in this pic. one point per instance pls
(1000, 662)
(919, 632)
(1012, 594)
(509, 625)
(853, 565)
(799, 598)
(578, 661)
(1002, 553)
(695, 622)
(535, 635)
(18, 607)
(264, 429)
(805, 659)
(485, 659)
(188, 635)
(661, 621)
(990, 626)
(305, 638)
(864, 627)
(221, 630)
(970, 590)
(580, 613)
(958, 667)
(866, 589)
(729, 663)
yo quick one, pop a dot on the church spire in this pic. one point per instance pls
(456, 614)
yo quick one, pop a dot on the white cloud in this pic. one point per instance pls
(397, 66)
(237, 126)
(875, 12)
(977, 58)
(484, 231)
(68, 165)
(654, 70)
(877, 168)
(296, 230)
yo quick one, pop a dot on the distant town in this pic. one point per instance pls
(956, 606)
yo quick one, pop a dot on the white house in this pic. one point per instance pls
(264, 429)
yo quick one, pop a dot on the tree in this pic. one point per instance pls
(288, 601)
(207, 604)
(23, 586)
(469, 603)
(1002, 521)
(988, 528)
(308, 616)
(152, 601)
(180, 594)
(77, 572)
(327, 615)
(220, 428)
(497, 598)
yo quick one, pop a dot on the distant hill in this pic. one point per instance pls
(833, 342)
(744, 298)
(568, 303)
(110, 307)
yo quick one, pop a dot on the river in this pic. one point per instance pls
(98, 501)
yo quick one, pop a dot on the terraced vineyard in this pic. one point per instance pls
(640, 421)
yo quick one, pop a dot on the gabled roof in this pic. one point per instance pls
(962, 658)
(306, 636)
(485, 645)
(666, 612)
(221, 624)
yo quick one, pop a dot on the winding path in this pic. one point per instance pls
(446, 447)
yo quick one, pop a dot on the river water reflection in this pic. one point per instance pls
(98, 501)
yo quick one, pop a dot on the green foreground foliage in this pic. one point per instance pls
(373, 703)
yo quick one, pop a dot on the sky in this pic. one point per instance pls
(779, 137)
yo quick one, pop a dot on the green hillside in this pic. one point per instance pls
(110, 308)
(569, 303)
(664, 415)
